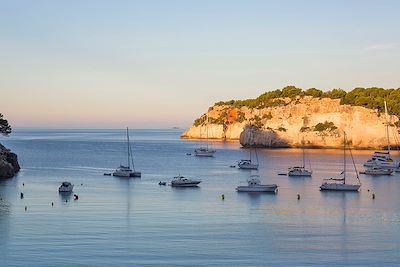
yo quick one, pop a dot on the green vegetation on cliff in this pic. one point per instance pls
(372, 98)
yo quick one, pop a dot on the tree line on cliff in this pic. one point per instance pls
(372, 98)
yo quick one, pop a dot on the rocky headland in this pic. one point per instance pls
(9, 166)
(287, 121)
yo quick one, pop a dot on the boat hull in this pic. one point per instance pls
(192, 184)
(248, 166)
(339, 187)
(209, 153)
(380, 172)
(300, 174)
(260, 189)
(127, 174)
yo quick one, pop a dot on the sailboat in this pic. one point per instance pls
(339, 184)
(249, 164)
(205, 151)
(300, 171)
(383, 159)
(126, 171)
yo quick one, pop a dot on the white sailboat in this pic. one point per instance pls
(383, 159)
(300, 171)
(205, 151)
(249, 164)
(126, 171)
(339, 184)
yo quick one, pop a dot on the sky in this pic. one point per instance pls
(157, 64)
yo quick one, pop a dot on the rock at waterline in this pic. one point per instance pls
(9, 165)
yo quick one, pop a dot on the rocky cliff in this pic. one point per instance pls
(319, 121)
(8, 163)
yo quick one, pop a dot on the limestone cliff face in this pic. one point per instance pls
(8, 163)
(320, 122)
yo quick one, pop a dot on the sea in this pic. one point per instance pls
(137, 222)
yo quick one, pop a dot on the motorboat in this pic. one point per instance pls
(181, 181)
(247, 164)
(339, 184)
(162, 183)
(204, 152)
(254, 185)
(376, 170)
(381, 159)
(299, 171)
(66, 187)
(126, 171)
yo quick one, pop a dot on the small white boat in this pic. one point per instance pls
(66, 187)
(254, 185)
(204, 152)
(299, 171)
(376, 170)
(383, 159)
(181, 181)
(250, 164)
(342, 186)
(247, 164)
(126, 171)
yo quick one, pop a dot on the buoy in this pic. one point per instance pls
(81, 184)
(26, 208)
(373, 196)
(66, 200)
(23, 184)
(223, 197)
(52, 204)
(298, 196)
(22, 195)
(76, 197)
(368, 190)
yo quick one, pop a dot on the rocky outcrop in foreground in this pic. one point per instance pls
(8, 163)
(319, 121)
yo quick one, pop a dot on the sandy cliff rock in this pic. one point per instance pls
(8, 163)
(320, 122)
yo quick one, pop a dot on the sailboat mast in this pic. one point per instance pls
(128, 147)
(207, 132)
(344, 158)
(387, 129)
(304, 160)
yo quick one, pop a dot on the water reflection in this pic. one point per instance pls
(65, 196)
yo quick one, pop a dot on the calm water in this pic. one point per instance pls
(136, 222)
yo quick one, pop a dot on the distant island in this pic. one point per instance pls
(9, 165)
(283, 118)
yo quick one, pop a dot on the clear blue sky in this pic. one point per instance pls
(162, 63)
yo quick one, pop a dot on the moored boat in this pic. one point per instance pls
(66, 187)
(339, 184)
(181, 181)
(254, 185)
(126, 171)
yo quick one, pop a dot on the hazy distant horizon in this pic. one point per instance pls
(159, 64)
